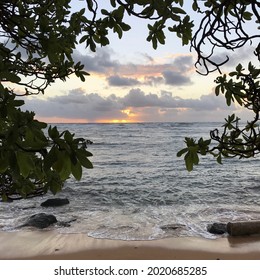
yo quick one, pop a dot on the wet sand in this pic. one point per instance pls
(46, 245)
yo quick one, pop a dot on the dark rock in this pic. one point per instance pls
(172, 227)
(55, 202)
(40, 220)
(217, 228)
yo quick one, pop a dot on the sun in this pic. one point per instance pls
(119, 121)
(128, 116)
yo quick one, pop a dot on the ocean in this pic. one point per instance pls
(139, 189)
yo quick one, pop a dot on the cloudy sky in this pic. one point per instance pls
(131, 82)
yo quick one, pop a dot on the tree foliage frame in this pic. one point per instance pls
(37, 41)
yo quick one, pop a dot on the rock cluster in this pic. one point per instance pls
(43, 220)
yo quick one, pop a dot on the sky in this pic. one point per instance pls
(131, 82)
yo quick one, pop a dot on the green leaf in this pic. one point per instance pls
(194, 155)
(84, 160)
(231, 74)
(105, 12)
(104, 41)
(231, 118)
(161, 37)
(118, 30)
(82, 77)
(90, 4)
(119, 13)
(217, 90)
(18, 103)
(27, 187)
(188, 161)
(247, 15)
(239, 67)
(32, 141)
(208, 4)
(177, 10)
(154, 42)
(52, 55)
(51, 158)
(83, 38)
(10, 77)
(195, 6)
(25, 163)
(76, 170)
(238, 99)
(53, 132)
(54, 182)
(181, 152)
(150, 27)
(4, 164)
(175, 18)
(219, 159)
(63, 165)
(124, 26)
(68, 136)
(113, 3)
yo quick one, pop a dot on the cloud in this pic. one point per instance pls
(118, 81)
(183, 63)
(182, 66)
(137, 98)
(153, 81)
(148, 57)
(76, 105)
(175, 78)
(176, 72)
(136, 105)
(100, 62)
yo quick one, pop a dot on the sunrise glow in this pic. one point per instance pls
(132, 83)
(119, 121)
(60, 120)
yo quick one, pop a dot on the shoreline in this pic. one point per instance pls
(50, 245)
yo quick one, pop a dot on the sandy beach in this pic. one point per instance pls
(48, 245)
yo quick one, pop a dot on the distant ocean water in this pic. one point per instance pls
(139, 188)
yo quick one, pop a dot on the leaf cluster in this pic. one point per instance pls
(161, 15)
(192, 150)
(38, 39)
(31, 162)
(236, 140)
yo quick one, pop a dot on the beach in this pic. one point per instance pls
(50, 245)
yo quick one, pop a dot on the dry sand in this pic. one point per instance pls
(51, 245)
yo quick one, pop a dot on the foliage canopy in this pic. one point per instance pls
(37, 40)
